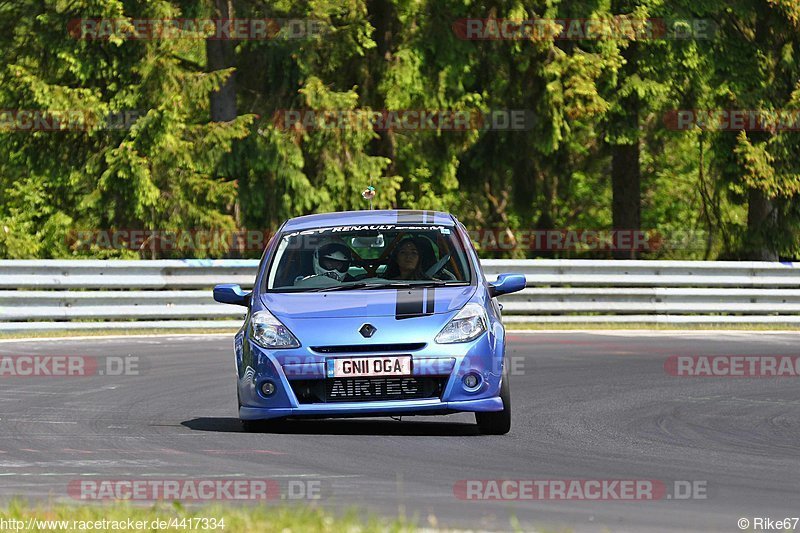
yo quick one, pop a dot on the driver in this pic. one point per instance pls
(330, 260)
(333, 260)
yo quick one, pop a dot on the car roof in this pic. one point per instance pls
(370, 217)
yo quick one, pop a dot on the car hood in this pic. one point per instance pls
(400, 303)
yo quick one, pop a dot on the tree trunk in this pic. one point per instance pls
(383, 18)
(626, 176)
(626, 209)
(761, 217)
(220, 56)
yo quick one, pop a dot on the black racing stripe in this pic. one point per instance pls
(430, 301)
(409, 304)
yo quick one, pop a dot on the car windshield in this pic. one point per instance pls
(368, 257)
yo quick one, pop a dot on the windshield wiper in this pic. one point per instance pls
(406, 285)
(349, 287)
(418, 285)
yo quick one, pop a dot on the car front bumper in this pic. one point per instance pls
(450, 362)
(380, 408)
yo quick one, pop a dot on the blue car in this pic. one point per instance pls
(372, 313)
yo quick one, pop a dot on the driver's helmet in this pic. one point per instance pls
(332, 260)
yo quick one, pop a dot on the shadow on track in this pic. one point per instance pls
(339, 427)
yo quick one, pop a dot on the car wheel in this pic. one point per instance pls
(497, 422)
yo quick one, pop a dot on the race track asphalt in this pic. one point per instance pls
(586, 406)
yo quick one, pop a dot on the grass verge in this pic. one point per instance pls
(18, 516)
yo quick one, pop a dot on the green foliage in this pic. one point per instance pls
(158, 173)
(176, 169)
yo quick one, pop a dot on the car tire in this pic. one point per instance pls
(497, 422)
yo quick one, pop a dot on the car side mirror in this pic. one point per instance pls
(506, 284)
(231, 293)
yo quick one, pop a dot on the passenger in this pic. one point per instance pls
(405, 262)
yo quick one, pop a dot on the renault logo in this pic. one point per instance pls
(367, 330)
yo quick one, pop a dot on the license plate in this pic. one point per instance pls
(354, 367)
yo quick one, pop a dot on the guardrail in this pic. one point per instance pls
(115, 294)
(677, 292)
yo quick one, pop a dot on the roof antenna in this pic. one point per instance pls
(368, 194)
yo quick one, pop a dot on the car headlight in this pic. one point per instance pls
(268, 332)
(468, 324)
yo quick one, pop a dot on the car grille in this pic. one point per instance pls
(368, 389)
(365, 348)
